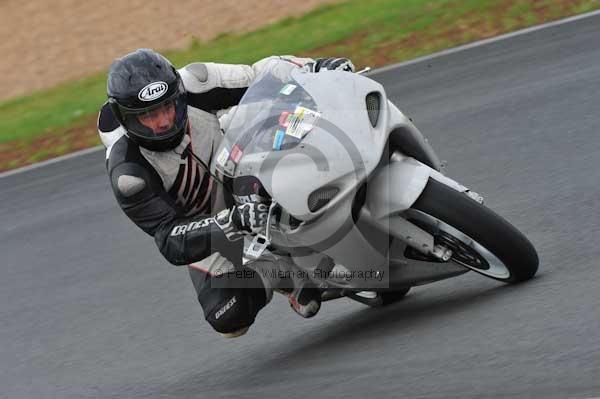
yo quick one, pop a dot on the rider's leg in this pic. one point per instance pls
(230, 297)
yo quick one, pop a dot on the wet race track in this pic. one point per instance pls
(89, 309)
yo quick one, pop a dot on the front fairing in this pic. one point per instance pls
(298, 131)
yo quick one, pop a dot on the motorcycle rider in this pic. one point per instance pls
(160, 127)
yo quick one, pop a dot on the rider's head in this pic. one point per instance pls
(147, 96)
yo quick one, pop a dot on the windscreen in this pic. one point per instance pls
(275, 114)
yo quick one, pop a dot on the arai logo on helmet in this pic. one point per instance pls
(153, 91)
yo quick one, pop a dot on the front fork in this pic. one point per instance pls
(413, 236)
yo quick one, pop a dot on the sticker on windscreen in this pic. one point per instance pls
(278, 140)
(284, 118)
(287, 89)
(236, 153)
(223, 157)
(302, 121)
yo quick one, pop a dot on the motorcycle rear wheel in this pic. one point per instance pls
(376, 299)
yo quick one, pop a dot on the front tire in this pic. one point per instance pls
(481, 240)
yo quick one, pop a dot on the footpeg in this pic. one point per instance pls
(442, 253)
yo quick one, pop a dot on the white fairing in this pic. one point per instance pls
(396, 187)
(342, 150)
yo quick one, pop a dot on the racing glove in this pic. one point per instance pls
(249, 218)
(330, 64)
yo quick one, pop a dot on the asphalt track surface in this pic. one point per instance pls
(88, 308)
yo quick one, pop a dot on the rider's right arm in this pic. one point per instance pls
(181, 240)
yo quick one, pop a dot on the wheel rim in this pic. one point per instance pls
(469, 253)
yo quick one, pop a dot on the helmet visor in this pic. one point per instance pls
(159, 121)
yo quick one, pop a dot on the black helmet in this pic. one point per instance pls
(147, 96)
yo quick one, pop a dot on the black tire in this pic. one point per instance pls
(389, 297)
(482, 225)
(382, 298)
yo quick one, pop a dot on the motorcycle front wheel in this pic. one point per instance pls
(479, 239)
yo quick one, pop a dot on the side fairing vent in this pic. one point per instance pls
(373, 102)
(321, 197)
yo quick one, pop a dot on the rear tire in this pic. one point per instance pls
(390, 297)
(377, 299)
(484, 230)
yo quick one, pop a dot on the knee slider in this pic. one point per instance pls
(233, 303)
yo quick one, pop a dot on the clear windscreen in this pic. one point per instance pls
(275, 114)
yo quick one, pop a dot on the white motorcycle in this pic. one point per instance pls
(358, 200)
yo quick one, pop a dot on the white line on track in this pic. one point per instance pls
(51, 161)
(486, 41)
(373, 72)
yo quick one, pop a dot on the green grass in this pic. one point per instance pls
(373, 33)
(30, 116)
(34, 115)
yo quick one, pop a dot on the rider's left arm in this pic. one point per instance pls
(213, 87)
